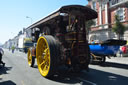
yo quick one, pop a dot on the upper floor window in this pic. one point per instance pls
(120, 13)
(114, 2)
(94, 5)
(94, 22)
(103, 5)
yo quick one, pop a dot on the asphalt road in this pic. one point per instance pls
(17, 72)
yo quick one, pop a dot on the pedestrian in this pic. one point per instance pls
(124, 49)
(120, 51)
(13, 49)
(1, 54)
(9, 48)
(92, 41)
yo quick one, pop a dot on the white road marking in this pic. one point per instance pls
(87, 81)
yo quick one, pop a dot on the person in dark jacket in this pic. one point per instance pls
(1, 54)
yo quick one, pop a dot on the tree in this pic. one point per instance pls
(118, 27)
(88, 25)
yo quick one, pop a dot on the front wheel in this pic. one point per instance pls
(47, 53)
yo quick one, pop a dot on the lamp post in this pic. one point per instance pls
(28, 31)
(29, 18)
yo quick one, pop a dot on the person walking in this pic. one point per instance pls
(13, 49)
(1, 54)
(124, 49)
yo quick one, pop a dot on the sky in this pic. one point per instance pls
(13, 14)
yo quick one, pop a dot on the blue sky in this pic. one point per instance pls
(13, 14)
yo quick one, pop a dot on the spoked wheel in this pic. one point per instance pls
(31, 60)
(46, 53)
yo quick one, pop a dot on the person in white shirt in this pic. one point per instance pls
(1, 54)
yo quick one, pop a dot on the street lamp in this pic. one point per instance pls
(29, 18)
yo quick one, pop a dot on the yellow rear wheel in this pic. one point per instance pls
(31, 60)
(29, 57)
(46, 53)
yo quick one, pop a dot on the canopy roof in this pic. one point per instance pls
(87, 12)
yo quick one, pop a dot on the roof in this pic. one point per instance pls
(86, 11)
(70, 9)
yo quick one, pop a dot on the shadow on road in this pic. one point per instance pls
(94, 77)
(7, 83)
(115, 65)
(3, 70)
(103, 78)
(112, 64)
(65, 77)
(35, 66)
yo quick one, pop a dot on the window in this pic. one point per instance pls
(120, 13)
(103, 5)
(94, 5)
(114, 2)
(94, 22)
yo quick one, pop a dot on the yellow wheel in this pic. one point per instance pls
(31, 60)
(46, 53)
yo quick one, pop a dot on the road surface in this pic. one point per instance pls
(17, 72)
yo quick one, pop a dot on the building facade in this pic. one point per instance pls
(107, 9)
(15, 41)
